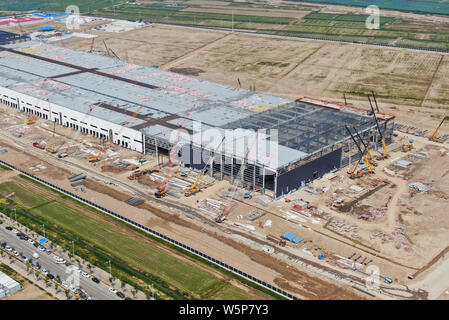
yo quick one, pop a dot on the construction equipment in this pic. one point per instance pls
(276, 240)
(226, 210)
(194, 188)
(385, 153)
(433, 137)
(51, 148)
(107, 49)
(371, 158)
(31, 120)
(111, 139)
(247, 195)
(406, 147)
(161, 191)
(355, 174)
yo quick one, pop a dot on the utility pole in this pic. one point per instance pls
(15, 215)
(344, 96)
(43, 226)
(110, 270)
(232, 20)
(73, 248)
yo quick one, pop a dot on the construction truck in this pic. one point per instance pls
(194, 188)
(223, 215)
(276, 240)
(385, 153)
(406, 147)
(433, 137)
(161, 191)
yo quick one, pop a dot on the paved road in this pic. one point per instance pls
(97, 291)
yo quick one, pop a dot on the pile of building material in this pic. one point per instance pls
(418, 186)
(134, 201)
(246, 226)
(255, 215)
(78, 180)
(120, 26)
(37, 168)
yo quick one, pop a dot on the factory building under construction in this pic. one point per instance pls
(146, 109)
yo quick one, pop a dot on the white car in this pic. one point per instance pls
(85, 274)
(72, 289)
(31, 241)
(25, 259)
(60, 261)
(41, 248)
(8, 248)
(112, 290)
(44, 271)
(15, 231)
(15, 253)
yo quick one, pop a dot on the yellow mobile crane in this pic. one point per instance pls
(356, 174)
(371, 158)
(194, 188)
(385, 153)
(111, 139)
(52, 149)
(433, 137)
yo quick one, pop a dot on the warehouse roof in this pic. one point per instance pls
(80, 80)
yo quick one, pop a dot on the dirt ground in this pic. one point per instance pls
(30, 292)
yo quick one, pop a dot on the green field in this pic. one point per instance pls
(345, 27)
(98, 239)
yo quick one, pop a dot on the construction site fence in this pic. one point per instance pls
(158, 235)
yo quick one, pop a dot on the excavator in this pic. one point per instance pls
(111, 140)
(354, 173)
(31, 120)
(385, 153)
(433, 137)
(371, 158)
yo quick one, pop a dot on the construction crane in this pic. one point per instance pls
(362, 154)
(227, 209)
(111, 139)
(52, 149)
(161, 191)
(107, 49)
(371, 158)
(433, 137)
(194, 188)
(385, 153)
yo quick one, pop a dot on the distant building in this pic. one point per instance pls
(8, 285)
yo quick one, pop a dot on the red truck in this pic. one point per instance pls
(276, 240)
(37, 145)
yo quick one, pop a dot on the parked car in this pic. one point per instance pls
(85, 274)
(95, 280)
(1, 222)
(119, 294)
(62, 155)
(31, 241)
(8, 248)
(41, 248)
(15, 253)
(25, 259)
(50, 276)
(15, 230)
(8, 228)
(113, 290)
